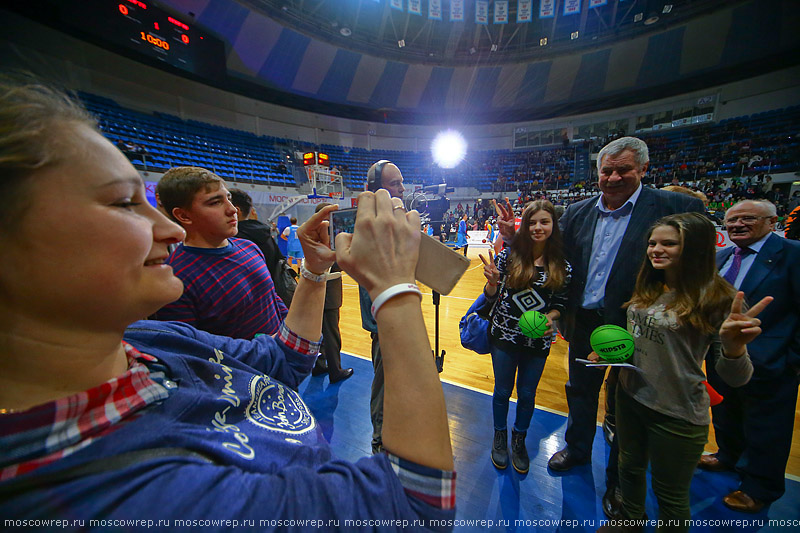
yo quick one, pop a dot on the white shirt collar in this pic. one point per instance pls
(632, 200)
(756, 246)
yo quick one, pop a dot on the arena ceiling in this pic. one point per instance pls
(375, 28)
(343, 57)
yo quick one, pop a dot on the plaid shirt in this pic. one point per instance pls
(44, 434)
(41, 435)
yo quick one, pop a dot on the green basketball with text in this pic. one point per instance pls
(533, 324)
(612, 343)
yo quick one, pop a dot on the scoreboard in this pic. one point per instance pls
(139, 28)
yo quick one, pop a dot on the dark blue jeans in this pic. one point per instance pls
(528, 370)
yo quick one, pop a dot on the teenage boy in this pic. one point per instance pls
(227, 286)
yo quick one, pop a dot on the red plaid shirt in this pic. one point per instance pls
(48, 432)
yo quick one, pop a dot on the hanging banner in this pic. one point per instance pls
(415, 7)
(547, 9)
(481, 11)
(396, 4)
(435, 9)
(500, 12)
(572, 7)
(457, 10)
(597, 3)
(524, 11)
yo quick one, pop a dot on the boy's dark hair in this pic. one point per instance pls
(178, 186)
(241, 200)
(293, 220)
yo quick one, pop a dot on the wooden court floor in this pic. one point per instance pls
(468, 369)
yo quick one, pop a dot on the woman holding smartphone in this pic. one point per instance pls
(680, 308)
(106, 416)
(534, 275)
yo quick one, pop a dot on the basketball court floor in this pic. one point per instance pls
(488, 498)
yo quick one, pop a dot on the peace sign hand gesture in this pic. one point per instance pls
(740, 328)
(505, 220)
(491, 273)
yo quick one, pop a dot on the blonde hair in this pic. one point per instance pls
(687, 191)
(32, 117)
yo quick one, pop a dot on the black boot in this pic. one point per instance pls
(500, 449)
(519, 454)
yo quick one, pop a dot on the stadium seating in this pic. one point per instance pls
(760, 143)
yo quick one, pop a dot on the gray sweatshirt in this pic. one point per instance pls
(669, 358)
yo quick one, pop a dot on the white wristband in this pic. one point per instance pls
(306, 273)
(391, 292)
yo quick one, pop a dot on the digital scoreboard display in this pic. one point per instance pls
(140, 27)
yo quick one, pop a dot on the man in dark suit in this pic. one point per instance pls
(754, 423)
(331, 349)
(604, 239)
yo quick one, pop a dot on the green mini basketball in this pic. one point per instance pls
(612, 343)
(533, 324)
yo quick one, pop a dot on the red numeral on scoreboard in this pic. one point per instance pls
(123, 9)
(155, 24)
(185, 38)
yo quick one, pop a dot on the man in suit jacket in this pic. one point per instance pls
(605, 242)
(331, 349)
(754, 424)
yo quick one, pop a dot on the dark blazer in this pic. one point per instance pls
(775, 272)
(333, 290)
(577, 226)
(261, 234)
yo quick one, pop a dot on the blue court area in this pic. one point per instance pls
(541, 500)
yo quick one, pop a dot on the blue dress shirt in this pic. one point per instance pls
(608, 233)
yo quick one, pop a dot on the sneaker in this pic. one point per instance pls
(500, 449)
(519, 454)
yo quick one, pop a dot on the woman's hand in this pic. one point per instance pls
(383, 249)
(552, 316)
(315, 240)
(491, 273)
(505, 220)
(593, 357)
(741, 328)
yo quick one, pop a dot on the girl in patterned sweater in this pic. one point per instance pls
(530, 274)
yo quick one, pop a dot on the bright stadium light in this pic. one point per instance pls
(449, 149)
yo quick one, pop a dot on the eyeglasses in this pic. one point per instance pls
(748, 220)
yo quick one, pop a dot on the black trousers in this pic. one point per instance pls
(332, 341)
(753, 427)
(583, 390)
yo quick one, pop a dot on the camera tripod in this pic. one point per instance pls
(437, 357)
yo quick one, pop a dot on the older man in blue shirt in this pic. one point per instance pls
(605, 242)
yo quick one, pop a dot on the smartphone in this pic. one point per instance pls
(438, 266)
(342, 221)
